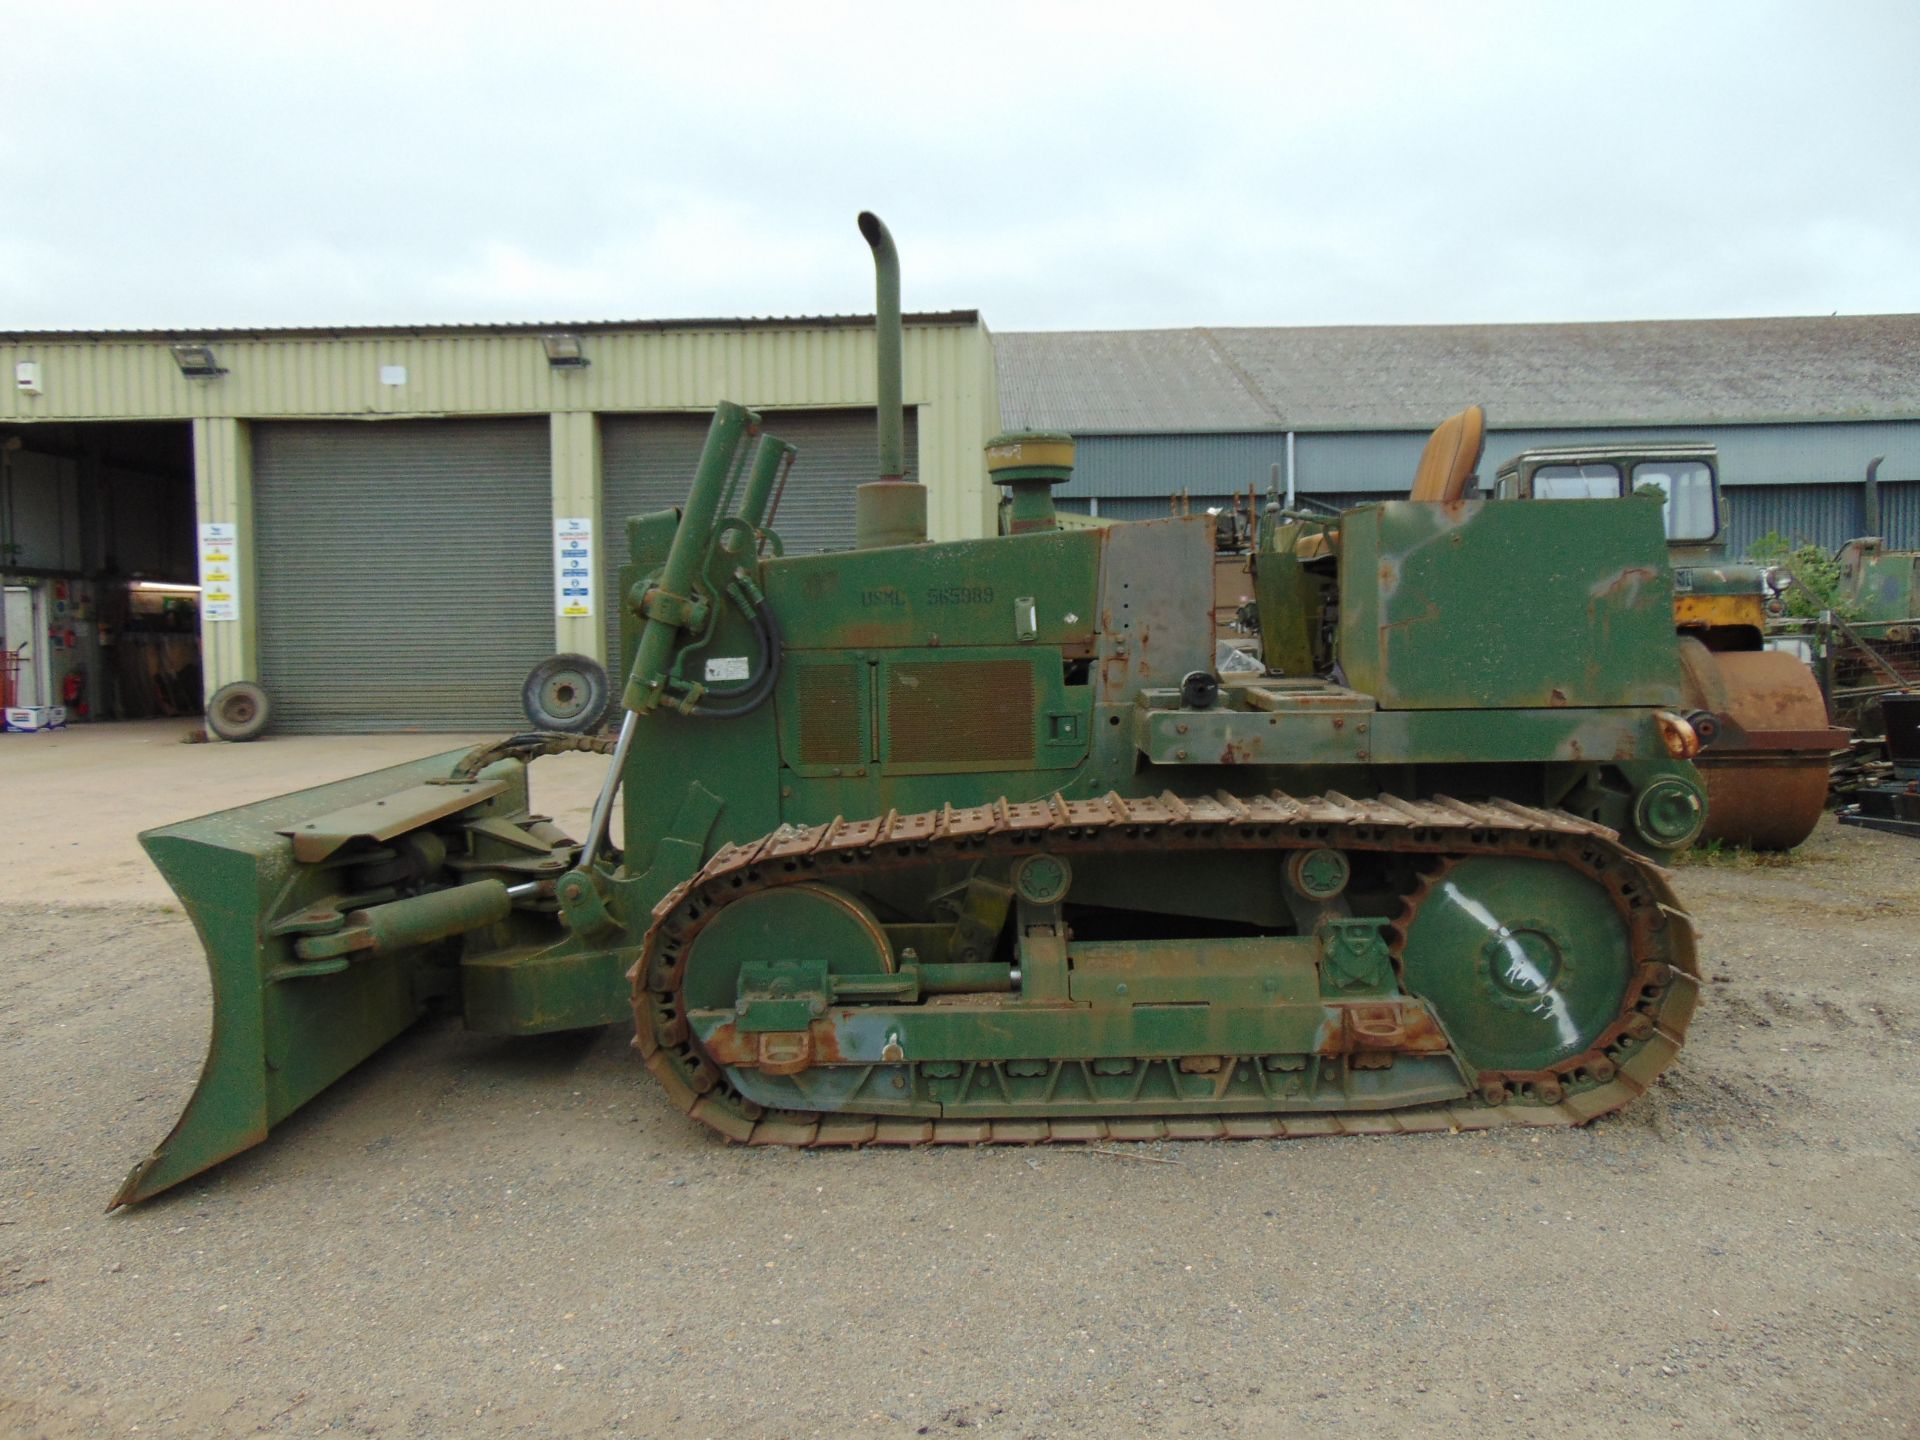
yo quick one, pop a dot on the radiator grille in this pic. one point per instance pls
(960, 712)
(828, 699)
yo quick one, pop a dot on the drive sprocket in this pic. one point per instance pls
(1533, 969)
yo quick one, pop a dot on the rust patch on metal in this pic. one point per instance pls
(1384, 1027)
(1627, 582)
(1766, 772)
(1677, 735)
(778, 1052)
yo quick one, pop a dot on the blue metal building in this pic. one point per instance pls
(1796, 406)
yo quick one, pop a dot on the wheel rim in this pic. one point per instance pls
(566, 695)
(1525, 962)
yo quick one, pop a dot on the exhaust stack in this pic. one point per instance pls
(891, 510)
(1871, 504)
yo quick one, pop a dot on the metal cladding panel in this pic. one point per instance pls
(1752, 455)
(1381, 463)
(1814, 454)
(1139, 466)
(1156, 507)
(647, 464)
(475, 371)
(1824, 515)
(1900, 515)
(808, 364)
(1821, 515)
(405, 572)
(1376, 464)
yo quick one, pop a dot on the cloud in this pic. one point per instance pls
(1057, 166)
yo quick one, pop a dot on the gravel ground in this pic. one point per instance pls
(479, 1238)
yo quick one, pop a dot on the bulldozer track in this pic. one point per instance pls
(1624, 1060)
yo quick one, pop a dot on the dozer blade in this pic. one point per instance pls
(284, 1029)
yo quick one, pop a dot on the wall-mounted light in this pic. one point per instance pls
(393, 374)
(26, 377)
(564, 352)
(164, 587)
(196, 362)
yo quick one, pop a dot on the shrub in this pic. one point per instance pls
(1816, 573)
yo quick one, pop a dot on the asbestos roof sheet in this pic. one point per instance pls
(1385, 377)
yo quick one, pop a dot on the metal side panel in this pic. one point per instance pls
(405, 571)
(1156, 605)
(647, 464)
(1485, 605)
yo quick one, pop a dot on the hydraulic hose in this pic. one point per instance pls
(732, 704)
(529, 746)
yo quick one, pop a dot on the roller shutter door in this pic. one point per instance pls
(405, 572)
(648, 462)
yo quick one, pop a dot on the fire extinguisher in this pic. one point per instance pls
(72, 687)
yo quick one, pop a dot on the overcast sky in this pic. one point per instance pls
(1055, 166)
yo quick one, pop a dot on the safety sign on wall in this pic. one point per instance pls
(220, 572)
(573, 567)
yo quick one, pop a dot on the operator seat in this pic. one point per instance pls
(1451, 457)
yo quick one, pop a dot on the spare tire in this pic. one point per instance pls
(568, 693)
(238, 711)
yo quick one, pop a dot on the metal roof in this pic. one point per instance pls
(517, 327)
(1389, 377)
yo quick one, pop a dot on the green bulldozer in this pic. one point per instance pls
(973, 842)
(1879, 583)
(1869, 646)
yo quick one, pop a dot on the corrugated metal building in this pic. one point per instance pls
(1796, 406)
(378, 508)
(376, 511)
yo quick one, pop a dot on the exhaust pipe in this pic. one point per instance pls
(886, 318)
(891, 510)
(1873, 495)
